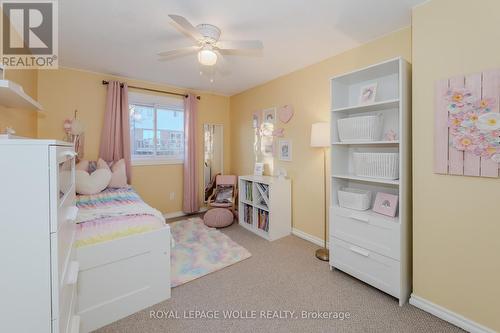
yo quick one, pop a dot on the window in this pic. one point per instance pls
(156, 131)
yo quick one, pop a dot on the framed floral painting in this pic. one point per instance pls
(467, 125)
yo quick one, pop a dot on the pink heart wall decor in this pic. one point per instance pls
(285, 113)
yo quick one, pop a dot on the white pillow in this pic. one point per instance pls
(92, 183)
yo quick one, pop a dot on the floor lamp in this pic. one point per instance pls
(320, 137)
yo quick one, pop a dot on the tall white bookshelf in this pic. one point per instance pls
(264, 206)
(369, 246)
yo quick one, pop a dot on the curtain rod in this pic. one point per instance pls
(154, 90)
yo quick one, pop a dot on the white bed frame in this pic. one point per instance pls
(122, 276)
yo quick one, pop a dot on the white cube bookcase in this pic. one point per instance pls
(264, 206)
(369, 246)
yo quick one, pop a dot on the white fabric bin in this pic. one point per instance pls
(353, 198)
(376, 165)
(356, 129)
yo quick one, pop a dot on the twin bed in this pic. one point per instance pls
(123, 249)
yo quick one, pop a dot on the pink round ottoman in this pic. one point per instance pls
(218, 218)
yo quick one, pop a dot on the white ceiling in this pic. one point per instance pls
(122, 37)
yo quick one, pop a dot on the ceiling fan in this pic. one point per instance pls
(208, 45)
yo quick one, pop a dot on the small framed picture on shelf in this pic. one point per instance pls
(285, 150)
(258, 169)
(386, 204)
(368, 93)
(269, 116)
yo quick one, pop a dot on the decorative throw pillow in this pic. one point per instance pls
(92, 183)
(119, 174)
(224, 194)
(82, 165)
(102, 164)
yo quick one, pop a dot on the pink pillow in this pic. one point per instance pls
(83, 165)
(119, 177)
(102, 164)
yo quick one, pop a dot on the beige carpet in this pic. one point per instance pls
(281, 275)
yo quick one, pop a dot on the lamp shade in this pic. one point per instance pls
(207, 57)
(320, 134)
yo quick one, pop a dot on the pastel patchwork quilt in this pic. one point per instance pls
(112, 214)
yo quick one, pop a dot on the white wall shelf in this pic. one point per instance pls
(369, 246)
(365, 214)
(396, 142)
(367, 179)
(12, 95)
(264, 198)
(392, 103)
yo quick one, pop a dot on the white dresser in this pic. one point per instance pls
(37, 212)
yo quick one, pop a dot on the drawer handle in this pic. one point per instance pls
(361, 218)
(71, 214)
(74, 268)
(357, 250)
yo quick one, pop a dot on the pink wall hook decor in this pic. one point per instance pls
(467, 125)
(279, 132)
(285, 113)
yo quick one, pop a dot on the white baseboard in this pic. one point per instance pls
(449, 316)
(172, 215)
(309, 238)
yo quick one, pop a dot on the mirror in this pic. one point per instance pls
(213, 160)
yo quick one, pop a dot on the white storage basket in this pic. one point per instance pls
(365, 128)
(376, 165)
(354, 199)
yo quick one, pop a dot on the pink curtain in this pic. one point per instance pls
(115, 135)
(190, 202)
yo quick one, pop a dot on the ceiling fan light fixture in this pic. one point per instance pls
(207, 57)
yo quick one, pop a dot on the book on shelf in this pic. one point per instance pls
(263, 220)
(248, 214)
(248, 191)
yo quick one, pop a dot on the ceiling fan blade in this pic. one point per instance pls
(167, 55)
(240, 45)
(184, 25)
(220, 58)
(222, 65)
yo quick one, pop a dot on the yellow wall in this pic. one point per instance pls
(308, 91)
(23, 121)
(64, 90)
(456, 226)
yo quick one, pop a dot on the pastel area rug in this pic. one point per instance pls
(200, 250)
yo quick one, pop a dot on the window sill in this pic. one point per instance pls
(144, 162)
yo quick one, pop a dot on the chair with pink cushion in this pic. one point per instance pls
(222, 203)
(225, 193)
